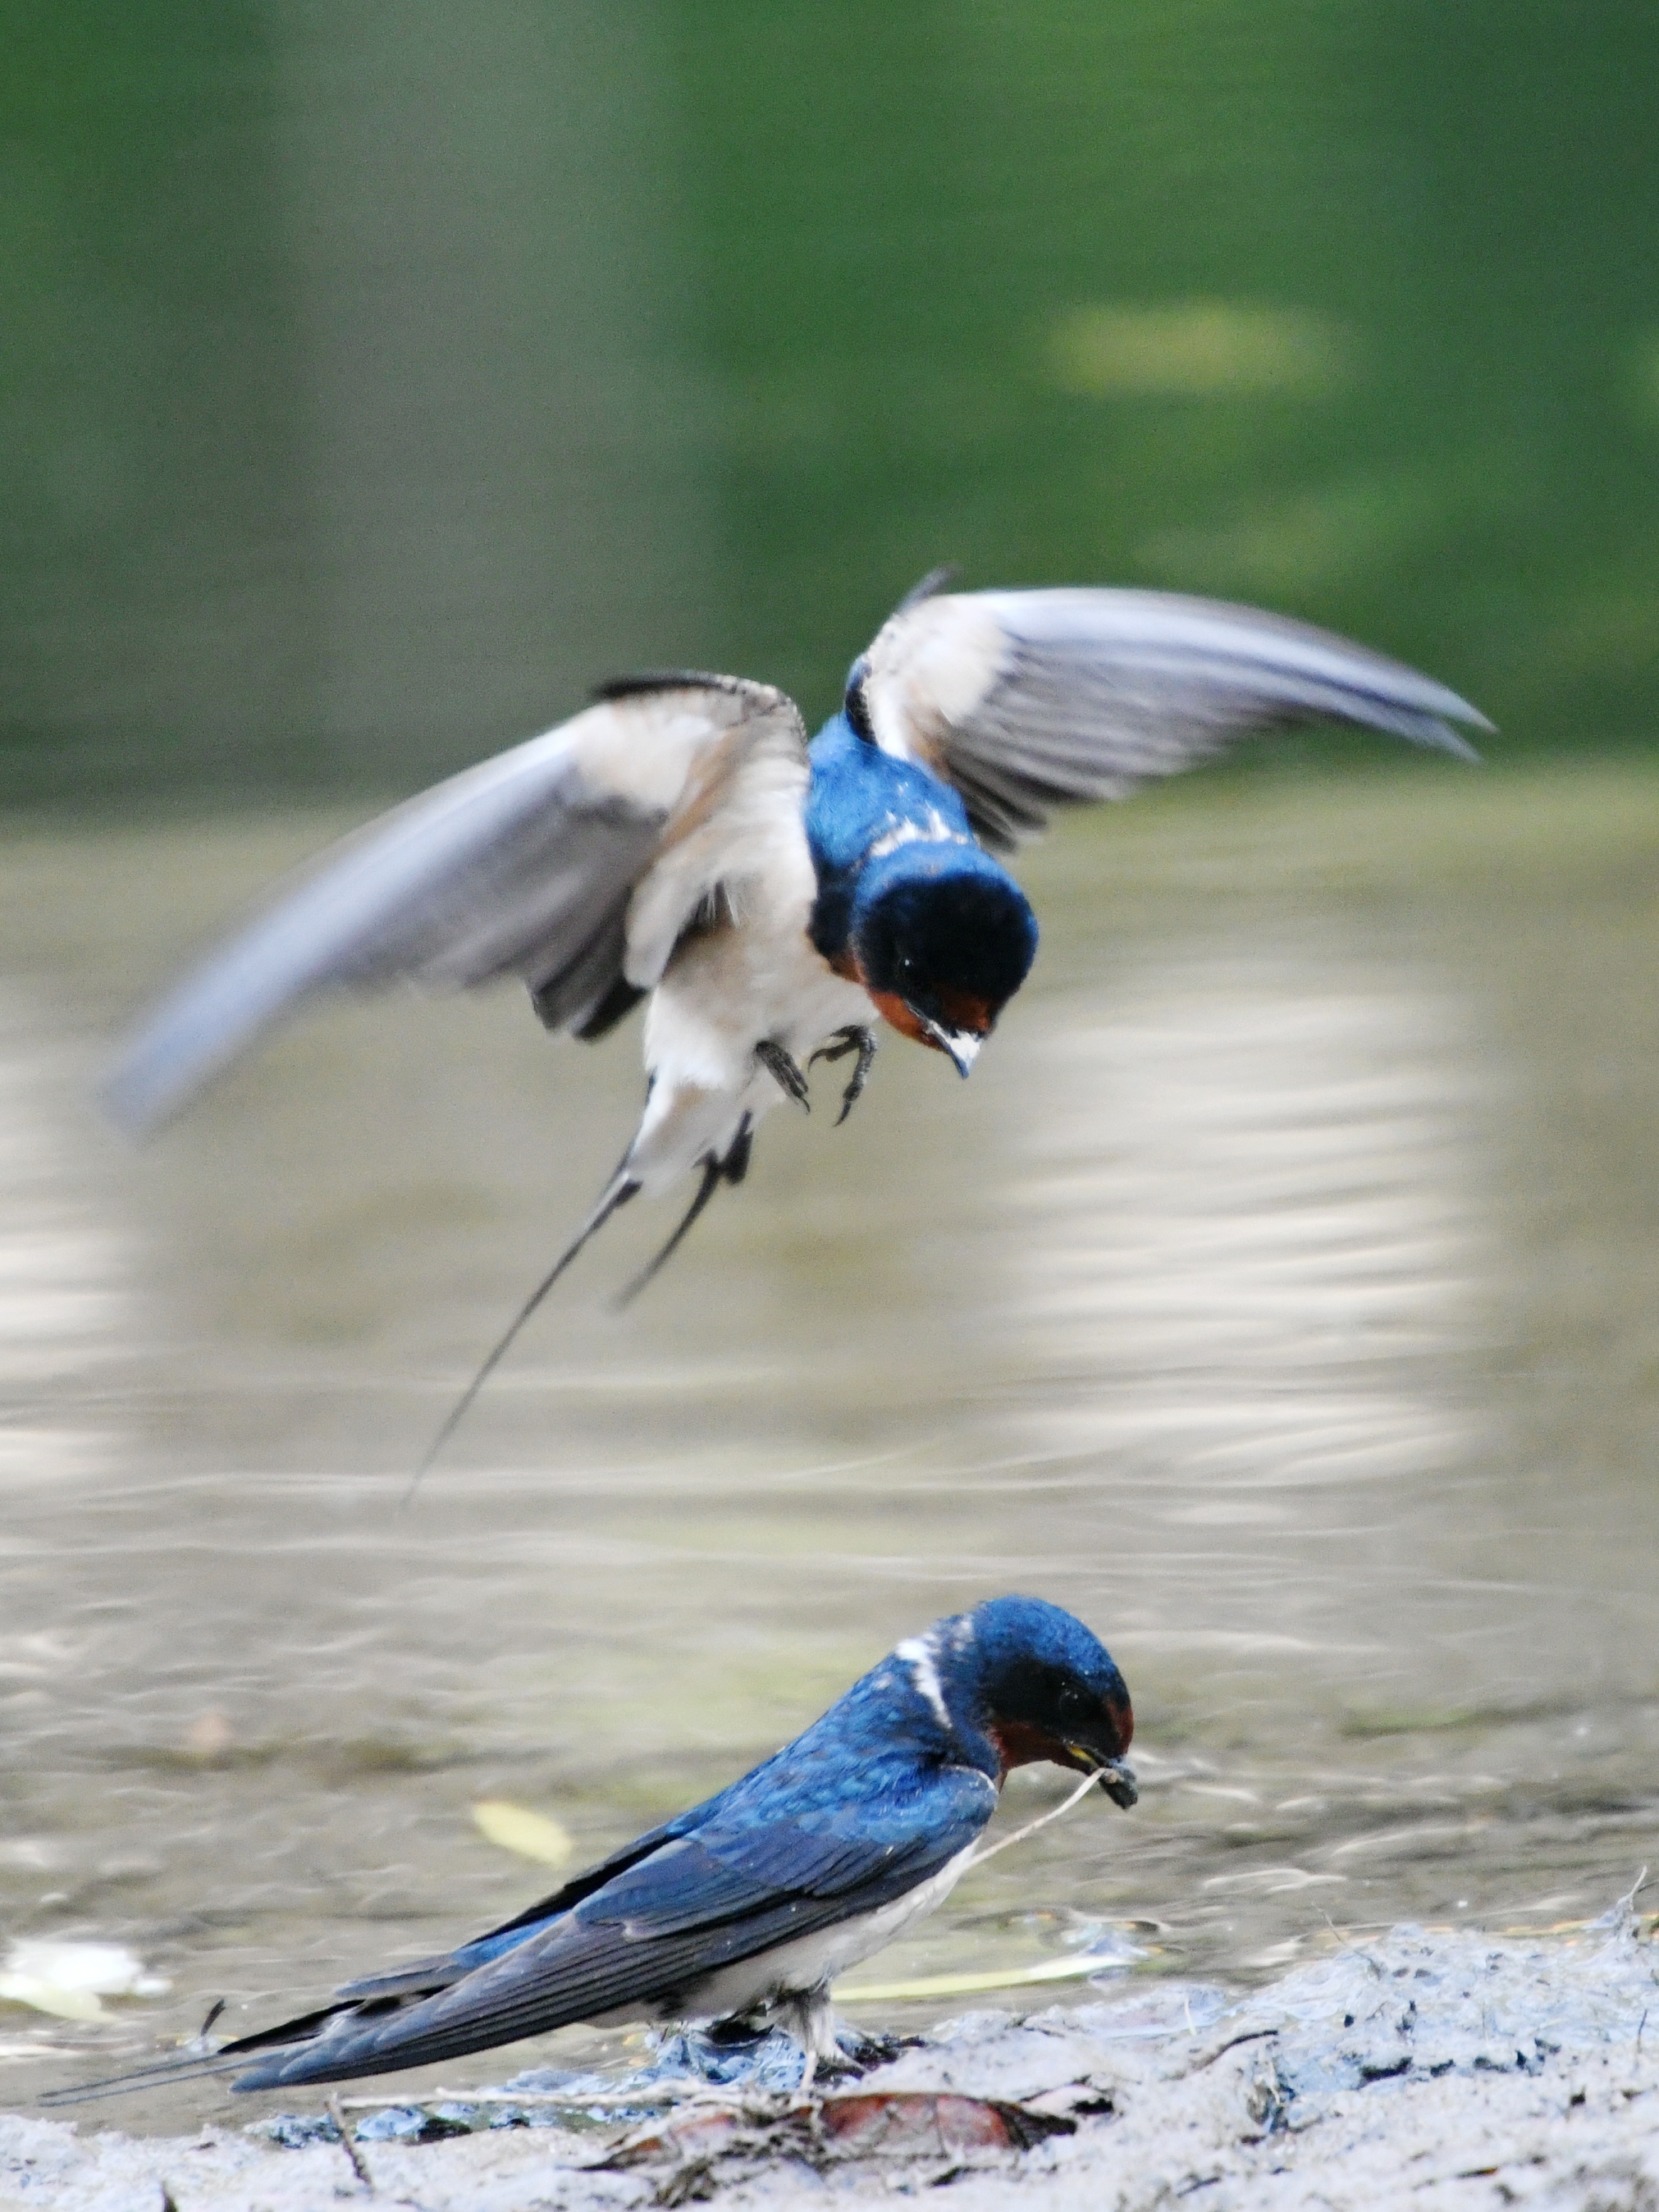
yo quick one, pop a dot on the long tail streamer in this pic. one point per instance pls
(617, 1192)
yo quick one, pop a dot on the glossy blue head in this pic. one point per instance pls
(1035, 1683)
(942, 937)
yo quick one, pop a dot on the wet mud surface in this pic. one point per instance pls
(1424, 2067)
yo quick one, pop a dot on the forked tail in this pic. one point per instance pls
(160, 2074)
(620, 1187)
(617, 1192)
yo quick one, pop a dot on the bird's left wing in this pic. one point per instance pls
(702, 1902)
(573, 861)
(393, 1989)
(1027, 700)
(650, 1921)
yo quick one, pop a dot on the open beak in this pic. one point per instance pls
(1117, 1777)
(962, 1045)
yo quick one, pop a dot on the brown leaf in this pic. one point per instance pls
(913, 2123)
(881, 2124)
(692, 2138)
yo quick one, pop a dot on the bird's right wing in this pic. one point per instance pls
(1030, 700)
(573, 861)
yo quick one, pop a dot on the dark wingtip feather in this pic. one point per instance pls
(665, 679)
(1440, 736)
(935, 582)
(1446, 739)
(1422, 712)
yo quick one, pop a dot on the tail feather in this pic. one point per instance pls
(269, 2051)
(731, 1168)
(158, 2075)
(706, 1189)
(616, 1193)
(305, 2048)
(716, 1169)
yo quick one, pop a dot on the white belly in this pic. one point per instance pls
(814, 1961)
(725, 992)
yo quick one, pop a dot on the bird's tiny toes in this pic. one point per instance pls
(843, 2067)
(857, 2053)
(863, 1041)
(784, 1072)
(839, 1045)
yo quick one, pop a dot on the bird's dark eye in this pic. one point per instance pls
(1072, 1704)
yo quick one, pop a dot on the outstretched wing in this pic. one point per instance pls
(574, 862)
(698, 1904)
(1026, 701)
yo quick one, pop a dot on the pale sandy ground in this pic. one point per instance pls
(1435, 2071)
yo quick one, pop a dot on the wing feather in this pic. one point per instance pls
(683, 1911)
(532, 865)
(1027, 700)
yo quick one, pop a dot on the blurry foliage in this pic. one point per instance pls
(899, 229)
(1348, 306)
(1197, 349)
(151, 546)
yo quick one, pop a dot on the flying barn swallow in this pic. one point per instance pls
(680, 840)
(753, 1902)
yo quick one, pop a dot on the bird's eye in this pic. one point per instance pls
(1073, 1702)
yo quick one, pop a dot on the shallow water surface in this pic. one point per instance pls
(1279, 1295)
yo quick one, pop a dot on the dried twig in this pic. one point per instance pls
(1031, 1828)
(349, 2145)
(1250, 2035)
(579, 2100)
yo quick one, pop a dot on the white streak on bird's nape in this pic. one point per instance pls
(918, 1653)
(934, 829)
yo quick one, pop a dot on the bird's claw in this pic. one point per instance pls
(852, 1039)
(855, 1039)
(784, 1072)
(835, 2066)
(856, 2054)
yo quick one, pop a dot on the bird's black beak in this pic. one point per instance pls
(962, 1045)
(1117, 1777)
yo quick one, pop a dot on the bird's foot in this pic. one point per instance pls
(856, 1039)
(784, 1072)
(852, 2057)
(837, 2066)
(857, 2053)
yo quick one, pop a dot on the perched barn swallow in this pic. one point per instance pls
(680, 840)
(752, 1903)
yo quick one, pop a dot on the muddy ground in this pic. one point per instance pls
(1421, 2068)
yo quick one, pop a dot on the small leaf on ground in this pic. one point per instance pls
(515, 1828)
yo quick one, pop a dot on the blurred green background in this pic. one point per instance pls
(372, 379)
